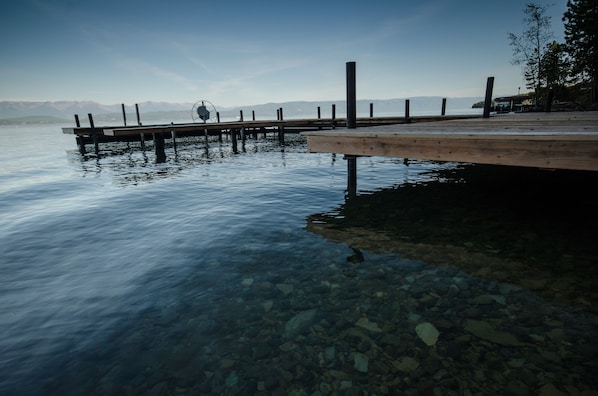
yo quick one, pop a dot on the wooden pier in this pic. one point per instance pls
(567, 140)
(235, 130)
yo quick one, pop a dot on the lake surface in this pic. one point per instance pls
(255, 273)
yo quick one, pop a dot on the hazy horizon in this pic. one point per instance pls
(237, 53)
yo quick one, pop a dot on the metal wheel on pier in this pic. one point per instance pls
(203, 111)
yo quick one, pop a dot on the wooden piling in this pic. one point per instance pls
(351, 97)
(233, 137)
(488, 98)
(94, 134)
(141, 135)
(159, 147)
(253, 115)
(173, 135)
(79, 139)
(333, 119)
(443, 109)
(319, 116)
(242, 128)
(137, 112)
(122, 105)
(407, 105)
(371, 110)
(281, 128)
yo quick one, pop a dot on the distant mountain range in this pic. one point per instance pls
(152, 112)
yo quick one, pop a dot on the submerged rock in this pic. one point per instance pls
(406, 364)
(427, 333)
(360, 362)
(285, 288)
(485, 331)
(364, 323)
(299, 323)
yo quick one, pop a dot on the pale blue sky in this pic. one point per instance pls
(251, 52)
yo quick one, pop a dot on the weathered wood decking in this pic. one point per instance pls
(100, 134)
(543, 140)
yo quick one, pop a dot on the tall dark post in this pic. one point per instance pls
(233, 137)
(122, 105)
(218, 116)
(407, 103)
(159, 146)
(488, 98)
(281, 128)
(333, 116)
(141, 135)
(79, 139)
(371, 110)
(94, 134)
(319, 117)
(351, 97)
(443, 110)
(253, 115)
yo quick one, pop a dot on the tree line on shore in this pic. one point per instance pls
(567, 72)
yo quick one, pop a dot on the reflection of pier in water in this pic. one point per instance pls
(130, 166)
(496, 223)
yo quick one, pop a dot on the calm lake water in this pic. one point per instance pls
(253, 273)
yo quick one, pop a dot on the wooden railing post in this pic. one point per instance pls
(488, 98)
(351, 97)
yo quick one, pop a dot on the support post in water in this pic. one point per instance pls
(159, 146)
(488, 98)
(351, 175)
(173, 135)
(94, 135)
(281, 128)
(141, 135)
(351, 97)
(233, 137)
(407, 105)
(242, 128)
(80, 139)
(443, 109)
(371, 110)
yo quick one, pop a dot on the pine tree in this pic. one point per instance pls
(581, 37)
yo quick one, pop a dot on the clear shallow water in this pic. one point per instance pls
(208, 274)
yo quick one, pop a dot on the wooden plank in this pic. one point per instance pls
(557, 152)
(562, 141)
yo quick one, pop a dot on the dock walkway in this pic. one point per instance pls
(101, 134)
(564, 140)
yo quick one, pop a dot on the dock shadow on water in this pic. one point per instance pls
(214, 274)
